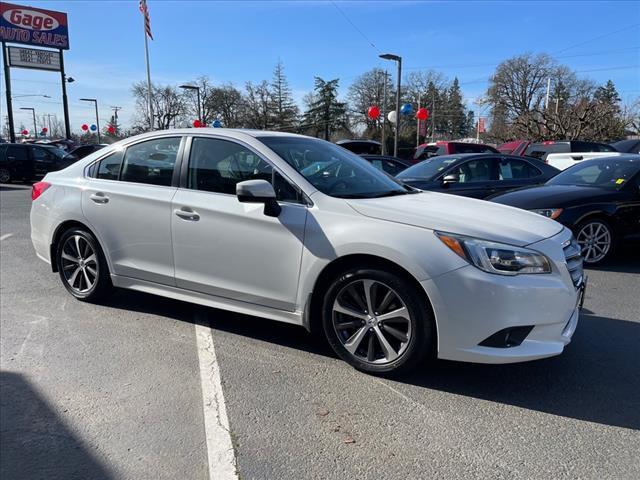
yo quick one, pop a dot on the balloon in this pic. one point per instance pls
(197, 123)
(45, 129)
(84, 127)
(217, 124)
(25, 132)
(93, 127)
(373, 112)
(393, 116)
(422, 114)
(111, 129)
(406, 109)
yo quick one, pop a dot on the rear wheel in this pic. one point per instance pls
(5, 175)
(596, 241)
(82, 266)
(377, 321)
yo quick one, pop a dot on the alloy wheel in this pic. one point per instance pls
(5, 176)
(79, 264)
(595, 241)
(372, 321)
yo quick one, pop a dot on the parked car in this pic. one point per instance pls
(428, 150)
(564, 154)
(515, 147)
(387, 163)
(361, 147)
(627, 146)
(84, 150)
(599, 200)
(476, 175)
(30, 161)
(232, 219)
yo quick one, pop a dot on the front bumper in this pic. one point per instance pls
(471, 305)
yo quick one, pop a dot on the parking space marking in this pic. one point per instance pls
(5, 236)
(220, 453)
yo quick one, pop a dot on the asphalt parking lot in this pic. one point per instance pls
(114, 391)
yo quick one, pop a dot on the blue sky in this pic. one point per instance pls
(239, 41)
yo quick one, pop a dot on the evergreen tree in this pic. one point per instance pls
(282, 106)
(456, 112)
(325, 113)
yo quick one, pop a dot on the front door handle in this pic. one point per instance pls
(187, 213)
(99, 197)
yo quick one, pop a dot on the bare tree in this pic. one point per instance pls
(257, 102)
(226, 104)
(169, 106)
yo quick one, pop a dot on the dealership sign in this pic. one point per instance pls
(34, 58)
(33, 26)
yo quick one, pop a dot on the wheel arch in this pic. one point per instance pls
(60, 229)
(312, 320)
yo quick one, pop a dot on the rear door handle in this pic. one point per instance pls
(187, 213)
(99, 197)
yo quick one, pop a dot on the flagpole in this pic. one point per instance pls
(146, 55)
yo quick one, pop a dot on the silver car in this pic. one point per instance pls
(299, 230)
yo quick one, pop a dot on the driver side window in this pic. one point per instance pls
(480, 170)
(218, 165)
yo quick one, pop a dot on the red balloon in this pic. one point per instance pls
(45, 129)
(422, 114)
(111, 129)
(373, 112)
(85, 127)
(197, 123)
(25, 132)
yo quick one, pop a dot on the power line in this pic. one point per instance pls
(355, 26)
(598, 38)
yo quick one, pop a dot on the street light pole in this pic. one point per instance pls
(33, 112)
(197, 89)
(384, 114)
(398, 60)
(95, 104)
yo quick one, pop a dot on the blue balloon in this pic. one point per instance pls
(217, 124)
(93, 128)
(406, 109)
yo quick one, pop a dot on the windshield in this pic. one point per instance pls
(58, 152)
(607, 173)
(428, 169)
(332, 169)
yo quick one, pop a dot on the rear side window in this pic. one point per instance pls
(591, 147)
(471, 148)
(541, 150)
(513, 169)
(151, 162)
(109, 167)
(17, 153)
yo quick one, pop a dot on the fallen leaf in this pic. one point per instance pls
(349, 439)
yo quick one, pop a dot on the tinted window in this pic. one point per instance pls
(109, 167)
(475, 171)
(18, 153)
(218, 165)
(429, 151)
(541, 150)
(591, 147)
(41, 154)
(600, 173)
(429, 168)
(513, 169)
(388, 166)
(471, 148)
(151, 162)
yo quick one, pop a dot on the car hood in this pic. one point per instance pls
(553, 196)
(461, 215)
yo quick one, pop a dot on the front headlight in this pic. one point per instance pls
(495, 257)
(551, 213)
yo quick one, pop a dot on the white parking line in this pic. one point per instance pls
(222, 460)
(5, 236)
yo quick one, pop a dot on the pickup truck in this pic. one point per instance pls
(564, 154)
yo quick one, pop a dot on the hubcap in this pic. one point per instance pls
(595, 241)
(79, 264)
(371, 321)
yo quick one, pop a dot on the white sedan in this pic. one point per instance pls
(299, 230)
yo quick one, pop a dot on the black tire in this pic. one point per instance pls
(420, 324)
(84, 268)
(5, 175)
(591, 224)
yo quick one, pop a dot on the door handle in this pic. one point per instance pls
(187, 213)
(99, 197)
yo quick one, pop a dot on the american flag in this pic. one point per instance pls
(147, 20)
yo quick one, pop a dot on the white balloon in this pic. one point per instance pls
(393, 116)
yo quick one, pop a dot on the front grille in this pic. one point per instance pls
(574, 261)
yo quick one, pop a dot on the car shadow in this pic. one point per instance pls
(625, 260)
(6, 187)
(35, 441)
(596, 379)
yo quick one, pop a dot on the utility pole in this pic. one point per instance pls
(115, 116)
(7, 80)
(418, 124)
(546, 101)
(433, 116)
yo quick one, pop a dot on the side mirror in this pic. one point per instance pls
(451, 178)
(259, 191)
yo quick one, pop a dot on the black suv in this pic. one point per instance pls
(542, 149)
(28, 161)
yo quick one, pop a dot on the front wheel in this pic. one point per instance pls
(83, 269)
(377, 321)
(596, 241)
(5, 175)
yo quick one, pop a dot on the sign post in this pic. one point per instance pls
(36, 27)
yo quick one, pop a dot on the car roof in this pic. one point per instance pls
(370, 142)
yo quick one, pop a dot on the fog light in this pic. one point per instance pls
(508, 337)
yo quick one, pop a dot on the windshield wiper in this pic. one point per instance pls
(390, 193)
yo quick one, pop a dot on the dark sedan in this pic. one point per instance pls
(599, 200)
(388, 164)
(477, 175)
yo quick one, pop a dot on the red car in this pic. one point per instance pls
(428, 150)
(514, 147)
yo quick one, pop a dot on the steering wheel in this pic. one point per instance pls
(339, 185)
